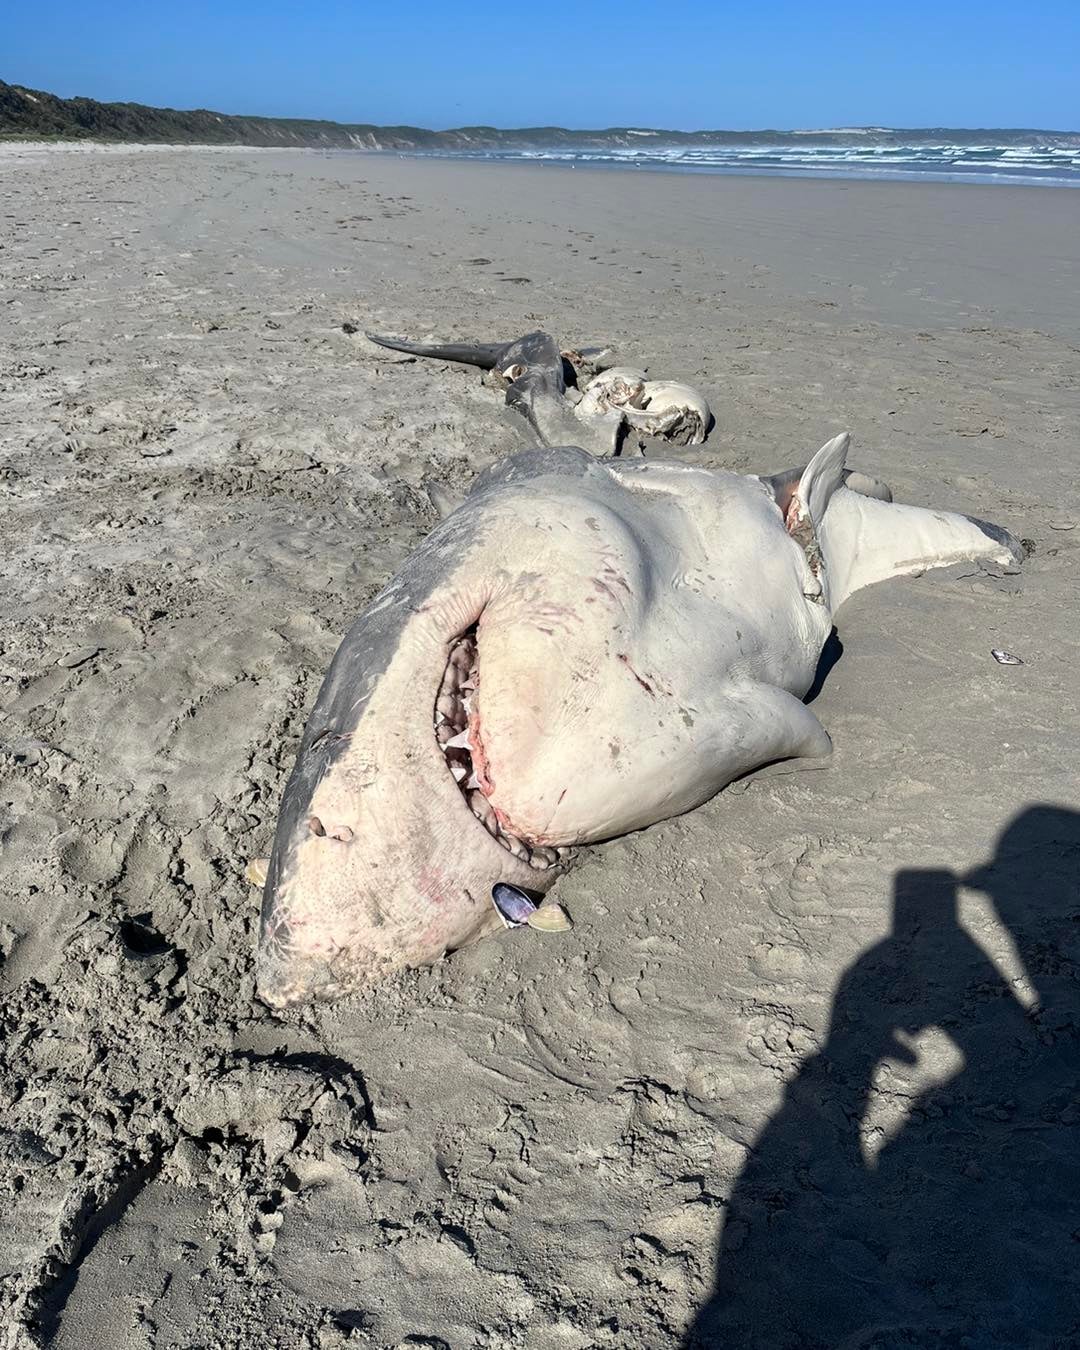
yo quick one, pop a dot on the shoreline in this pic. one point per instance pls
(589, 160)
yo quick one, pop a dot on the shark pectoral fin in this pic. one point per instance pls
(865, 540)
(777, 733)
(482, 354)
(778, 768)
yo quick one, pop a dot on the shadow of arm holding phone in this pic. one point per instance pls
(962, 1222)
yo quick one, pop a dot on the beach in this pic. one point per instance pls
(206, 472)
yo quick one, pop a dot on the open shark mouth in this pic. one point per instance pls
(457, 730)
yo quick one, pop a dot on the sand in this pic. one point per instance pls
(780, 1023)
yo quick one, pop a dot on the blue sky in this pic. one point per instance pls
(450, 63)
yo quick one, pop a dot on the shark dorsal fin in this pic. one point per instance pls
(811, 495)
(814, 483)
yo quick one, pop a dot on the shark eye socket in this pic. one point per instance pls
(513, 372)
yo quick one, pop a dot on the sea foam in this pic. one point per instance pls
(1036, 165)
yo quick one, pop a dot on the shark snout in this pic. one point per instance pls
(395, 867)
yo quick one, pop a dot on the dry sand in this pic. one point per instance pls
(538, 1142)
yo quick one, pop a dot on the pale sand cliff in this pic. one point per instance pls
(203, 478)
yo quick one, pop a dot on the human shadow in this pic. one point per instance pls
(963, 1227)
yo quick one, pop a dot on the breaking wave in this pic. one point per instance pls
(1053, 166)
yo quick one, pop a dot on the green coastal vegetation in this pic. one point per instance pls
(35, 114)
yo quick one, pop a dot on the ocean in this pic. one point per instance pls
(1033, 165)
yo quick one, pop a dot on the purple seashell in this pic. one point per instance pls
(513, 904)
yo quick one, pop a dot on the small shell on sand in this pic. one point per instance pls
(256, 871)
(514, 906)
(550, 918)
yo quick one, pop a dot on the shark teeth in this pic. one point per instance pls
(452, 719)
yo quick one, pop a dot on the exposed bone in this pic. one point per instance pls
(620, 387)
(676, 412)
(587, 361)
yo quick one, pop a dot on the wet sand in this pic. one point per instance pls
(746, 1039)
